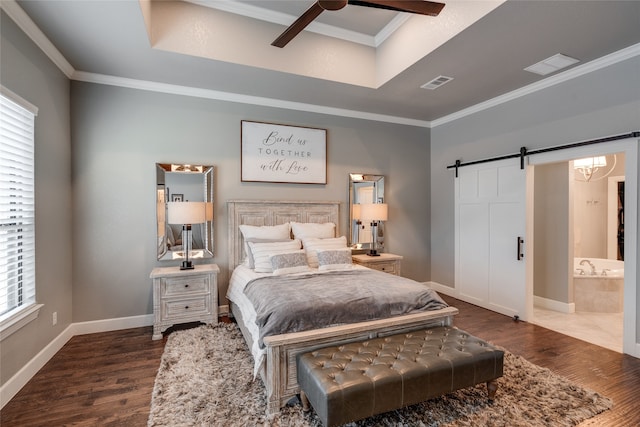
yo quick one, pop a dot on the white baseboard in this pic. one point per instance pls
(20, 378)
(442, 289)
(549, 304)
(107, 325)
(634, 351)
(223, 310)
(10, 388)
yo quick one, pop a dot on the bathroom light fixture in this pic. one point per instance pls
(374, 212)
(187, 213)
(589, 166)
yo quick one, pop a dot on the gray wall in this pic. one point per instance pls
(580, 109)
(552, 207)
(119, 134)
(602, 103)
(26, 71)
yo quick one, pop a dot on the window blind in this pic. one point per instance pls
(17, 207)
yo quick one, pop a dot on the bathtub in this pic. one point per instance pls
(599, 289)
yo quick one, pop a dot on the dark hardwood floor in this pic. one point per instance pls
(106, 379)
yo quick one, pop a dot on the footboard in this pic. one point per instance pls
(281, 376)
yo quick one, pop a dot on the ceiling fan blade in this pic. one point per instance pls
(412, 6)
(299, 25)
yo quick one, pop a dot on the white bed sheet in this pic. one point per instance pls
(235, 293)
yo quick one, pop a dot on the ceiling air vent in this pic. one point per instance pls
(436, 83)
(551, 64)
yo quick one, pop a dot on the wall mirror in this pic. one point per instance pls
(364, 188)
(184, 183)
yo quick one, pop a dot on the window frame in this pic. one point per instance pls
(27, 310)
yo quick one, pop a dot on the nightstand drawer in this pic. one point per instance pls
(183, 286)
(387, 267)
(385, 262)
(184, 308)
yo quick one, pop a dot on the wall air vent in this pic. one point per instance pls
(436, 83)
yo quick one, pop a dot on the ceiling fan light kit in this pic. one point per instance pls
(421, 7)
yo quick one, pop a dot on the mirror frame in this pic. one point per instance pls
(162, 197)
(377, 182)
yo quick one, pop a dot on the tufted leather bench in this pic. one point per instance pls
(358, 380)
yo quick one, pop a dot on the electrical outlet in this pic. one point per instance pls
(54, 318)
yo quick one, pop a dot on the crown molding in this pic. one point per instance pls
(597, 64)
(25, 23)
(390, 28)
(242, 99)
(285, 19)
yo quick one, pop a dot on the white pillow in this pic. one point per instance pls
(249, 261)
(312, 245)
(273, 232)
(305, 230)
(262, 251)
(289, 262)
(334, 259)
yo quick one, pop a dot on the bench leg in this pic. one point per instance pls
(492, 387)
(306, 406)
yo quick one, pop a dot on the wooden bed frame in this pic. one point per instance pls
(279, 372)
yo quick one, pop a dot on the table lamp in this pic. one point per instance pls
(186, 213)
(374, 212)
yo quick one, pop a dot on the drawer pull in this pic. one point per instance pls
(186, 286)
(186, 307)
(382, 268)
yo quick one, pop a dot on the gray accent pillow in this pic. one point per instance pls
(290, 262)
(334, 259)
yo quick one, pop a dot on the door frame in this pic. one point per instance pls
(612, 215)
(630, 148)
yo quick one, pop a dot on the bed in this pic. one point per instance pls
(275, 355)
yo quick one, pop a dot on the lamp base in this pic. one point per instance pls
(373, 252)
(186, 265)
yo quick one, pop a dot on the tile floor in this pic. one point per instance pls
(603, 329)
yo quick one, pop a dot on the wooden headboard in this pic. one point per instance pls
(274, 212)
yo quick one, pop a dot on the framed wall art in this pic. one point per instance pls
(283, 153)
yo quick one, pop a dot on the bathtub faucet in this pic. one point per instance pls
(593, 267)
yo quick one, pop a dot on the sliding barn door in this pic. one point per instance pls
(490, 210)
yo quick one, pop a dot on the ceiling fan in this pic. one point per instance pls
(412, 6)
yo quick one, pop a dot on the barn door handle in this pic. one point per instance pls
(520, 242)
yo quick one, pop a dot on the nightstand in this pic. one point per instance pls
(181, 296)
(389, 263)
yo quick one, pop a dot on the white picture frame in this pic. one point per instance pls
(283, 153)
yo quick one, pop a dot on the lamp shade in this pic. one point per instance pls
(373, 211)
(186, 212)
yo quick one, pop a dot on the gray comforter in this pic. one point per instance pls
(302, 302)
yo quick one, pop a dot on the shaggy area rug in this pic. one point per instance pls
(205, 379)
